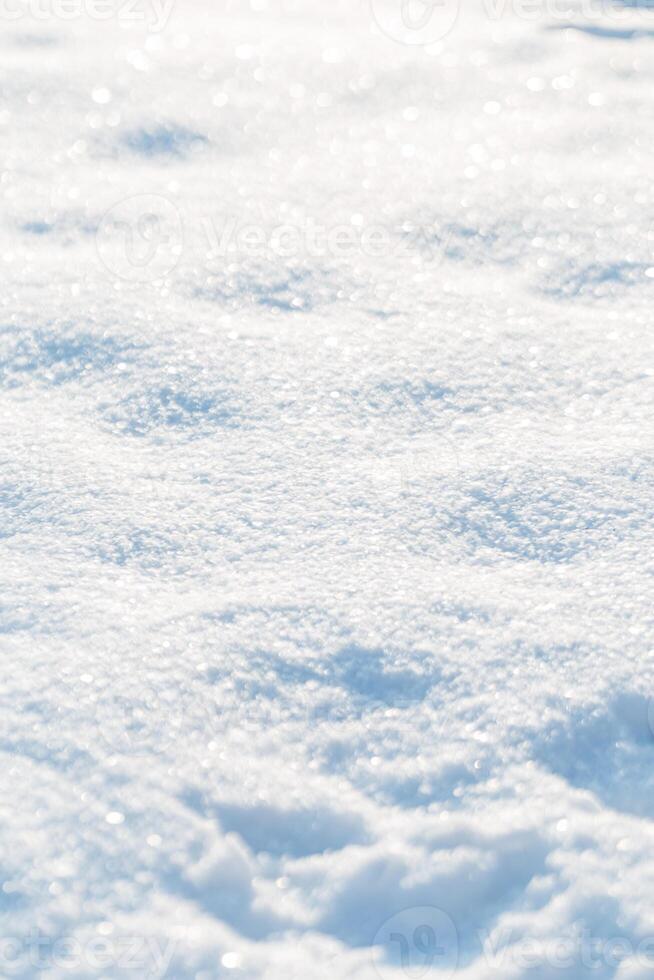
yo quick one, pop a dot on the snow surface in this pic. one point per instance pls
(326, 602)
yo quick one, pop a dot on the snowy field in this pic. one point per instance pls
(327, 518)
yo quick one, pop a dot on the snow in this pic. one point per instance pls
(326, 491)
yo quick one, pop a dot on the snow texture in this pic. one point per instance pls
(326, 504)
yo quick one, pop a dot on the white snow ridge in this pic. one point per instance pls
(326, 489)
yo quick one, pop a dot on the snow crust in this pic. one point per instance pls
(326, 506)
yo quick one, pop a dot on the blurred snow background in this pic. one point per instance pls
(326, 490)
